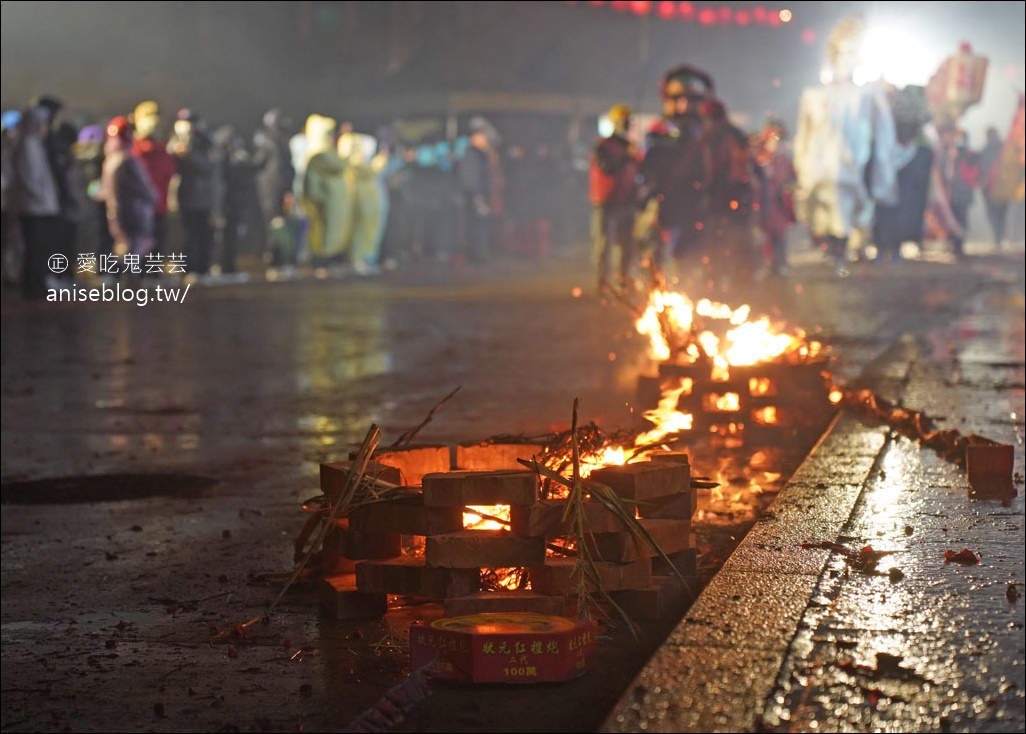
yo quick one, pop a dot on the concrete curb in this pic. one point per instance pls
(716, 669)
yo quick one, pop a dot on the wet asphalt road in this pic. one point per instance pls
(107, 608)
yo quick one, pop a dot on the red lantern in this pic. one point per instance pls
(641, 7)
(707, 16)
(742, 17)
(666, 9)
(687, 11)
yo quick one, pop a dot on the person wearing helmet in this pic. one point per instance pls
(674, 170)
(613, 183)
(130, 197)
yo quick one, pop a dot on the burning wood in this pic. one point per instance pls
(722, 372)
(490, 530)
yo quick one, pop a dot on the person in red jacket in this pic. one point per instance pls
(159, 164)
(613, 185)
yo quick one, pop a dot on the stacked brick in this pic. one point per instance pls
(761, 403)
(413, 543)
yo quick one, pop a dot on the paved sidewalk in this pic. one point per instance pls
(793, 638)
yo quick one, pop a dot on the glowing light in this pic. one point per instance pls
(666, 418)
(729, 402)
(893, 55)
(486, 517)
(785, 16)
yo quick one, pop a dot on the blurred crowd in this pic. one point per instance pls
(699, 202)
(693, 200)
(119, 201)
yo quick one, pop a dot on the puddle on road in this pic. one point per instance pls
(102, 488)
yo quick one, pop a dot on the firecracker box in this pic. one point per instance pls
(496, 647)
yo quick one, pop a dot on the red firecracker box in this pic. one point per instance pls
(503, 647)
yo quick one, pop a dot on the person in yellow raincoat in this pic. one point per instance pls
(325, 196)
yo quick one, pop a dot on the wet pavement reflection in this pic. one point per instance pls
(108, 607)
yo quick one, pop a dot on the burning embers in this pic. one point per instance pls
(503, 539)
(722, 372)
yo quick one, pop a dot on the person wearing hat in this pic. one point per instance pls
(674, 170)
(159, 164)
(613, 188)
(130, 197)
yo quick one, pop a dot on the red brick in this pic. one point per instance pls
(644, 480)
(406, 515)
(335, 475)
(461, 488)
(556, 576)
(409, 576)
(362, 545)
(493, 456)
(669, 535)
(416, 461)
(483, 549)
(333, 557)
(545, 518)
(520, 600)
(340, 598)
(679, 506)
(665, 598)
(685, 561)
(676, 457)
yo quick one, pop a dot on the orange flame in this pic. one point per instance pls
(486, 517)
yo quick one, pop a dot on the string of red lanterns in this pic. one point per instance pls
(707, 15)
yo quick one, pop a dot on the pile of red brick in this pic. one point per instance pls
(413, 542)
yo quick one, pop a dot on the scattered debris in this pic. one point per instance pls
(964, 557)
(392, 708)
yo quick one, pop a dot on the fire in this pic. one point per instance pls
(666, 418)
(712, 337)
(486, 517)
(681, 331)
(728, 402)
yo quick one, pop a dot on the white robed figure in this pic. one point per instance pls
(845, 149)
